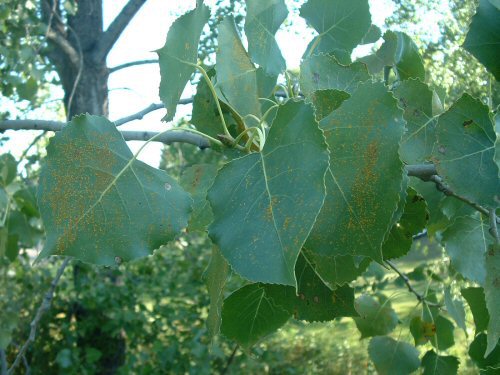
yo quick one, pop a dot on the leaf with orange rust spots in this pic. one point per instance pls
(97, 206)
(365, 177)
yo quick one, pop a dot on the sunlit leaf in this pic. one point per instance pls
(393, 357)
(455, 308)
(376, 316)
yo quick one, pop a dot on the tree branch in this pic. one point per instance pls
(150, 108)
(65, 46)
(167, 138)
(114, 30)
(406, 280)
(132, 63)
(45, 305)
(422, 171)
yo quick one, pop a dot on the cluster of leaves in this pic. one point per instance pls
(312, 189)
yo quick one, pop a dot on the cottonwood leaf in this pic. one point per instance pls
(236, 74)
(376, 316)
(434, 364)
(216, 277)
(488, 363)
(421, 331)
(392, 357)
(483, 38)
(322, 71)
(455, 308)
(262, 21)
(313, 301)
(178, 54)
(443, 339)
(341, 25)
(372, 35)
(98, 205)
(464, 153)
(466, 242)
(8, 169)
(365, 176)
(326, 101)
(249, 314)
(477, 303)
(492, 293)
(265, 203)
(415, 98)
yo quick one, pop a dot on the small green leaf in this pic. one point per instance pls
(341, 25)
(444, 333)
(400, 238)
(365, 176)
(265, 203)
(455, 308)
(236, 74)
(376, 316)
(466, 242)
(262, 21)
(465, 149)
(492, 293)
(434, 364)
(249, 314)
(477, 303)
(393, 357)
(421, 331)
(178, 55)
(99, 206)
(313, 301)
(26, 201)
(216, 277)
(196, 180)
(483, 38)
(372, 35)
(418, 141)
(8, 169)
(477, 350)
(321, 72)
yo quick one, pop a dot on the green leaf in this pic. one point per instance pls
(326, 101)
(444, 333)
(372, 35)
(477, 350)
(492, 293)
(400, 52)
(20, 226)
(249, 314)
(236, 74)
(313, 301)
(418, 141)
(483, 38)
(262, 21)
(466, 241)
(216, 277)
(8, 169)
(421, 331)
(337, 270)
(341, 25)
(393, 357)
(26, 201)
(265, 203)
(365, 176)
(434, 364)
(477, 303)
(97, 204)
(400, 238)
(196, 180)
(455, 308)
(376, 316)
(464, 153)
(178, 55)
(321, 72)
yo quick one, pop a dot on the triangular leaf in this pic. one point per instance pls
(262, 21)
(477, 350)
(444, 333)
(477, 303)
(365, 175)
(376, 316)
(178, 54)
(434, 364)
(265, 203)
(393, 357)
(97, 204)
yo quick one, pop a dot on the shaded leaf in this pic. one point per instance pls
(477, 350)
(8, 169)
(341, 25)
(393, 357)
(26, 201)
(216, 277)
(376, 316)
(99, 206)
(326, 101)
(492, 294)
(464, 153)
(265, 203)
(178, 54)
(421, 331)
(483, 38)
(262, 21)
(365, 176)
(466, 242)
(434, 364)
(443, 339)
(455, 308)
(477, 303)
(249, 314)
